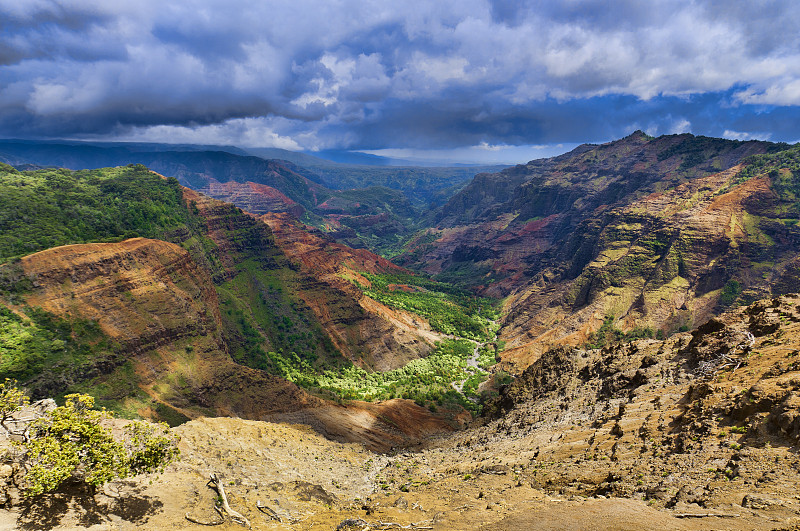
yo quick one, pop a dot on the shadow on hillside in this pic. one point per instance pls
(81, 508)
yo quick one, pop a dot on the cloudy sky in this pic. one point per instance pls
(472, 80)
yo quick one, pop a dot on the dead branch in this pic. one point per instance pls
(390, 525)
(725, 360)
(705, 515)
(269, 512)
(216, 484)
(350, 522)
(200, 522)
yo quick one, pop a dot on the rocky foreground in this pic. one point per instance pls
(699, 431)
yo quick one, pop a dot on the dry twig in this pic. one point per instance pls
(705, 515)
(266, 510)
(200, 522)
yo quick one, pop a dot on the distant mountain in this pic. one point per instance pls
(77, 155)
(321, 158)
(644, 235)
(425, 186)
(422, 185)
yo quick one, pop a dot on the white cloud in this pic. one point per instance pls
(102, 65)
(780, 92)
(680, 126)
(482, 153)
(738, 135)
(247, 132)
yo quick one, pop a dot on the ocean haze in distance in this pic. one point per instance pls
(474, 81)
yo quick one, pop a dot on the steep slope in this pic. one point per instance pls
(695, 432)
(703, 419)
(200, 325)
(253, 197)
(642, 235)
(367, 332)
(311, 284)
(161, 310)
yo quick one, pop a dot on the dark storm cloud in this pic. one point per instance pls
(374, 74)
(595, 119)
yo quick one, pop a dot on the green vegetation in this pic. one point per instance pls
(730, 292)
(608, 334)
(11, 400)
(696, 150)
(71, 442)
(426, 381)
(46, 208)
(782, 164)
(258, 304)
(448, 309)
(34, 342)
(487, 357)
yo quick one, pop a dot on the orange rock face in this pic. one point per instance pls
(140, 291)
(366, 331)
(162, 308)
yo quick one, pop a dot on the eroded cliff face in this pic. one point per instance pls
(670, 260)
(648, 233)
(151, 298)
(141, 292)
(366, 331)
(252, 197)
(162, 311)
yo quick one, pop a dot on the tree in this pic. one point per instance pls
(71, 441)
(12, 400)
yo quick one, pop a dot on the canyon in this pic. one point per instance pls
(640, 366)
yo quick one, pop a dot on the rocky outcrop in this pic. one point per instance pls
(705, 420)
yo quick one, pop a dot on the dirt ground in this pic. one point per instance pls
(699, 431)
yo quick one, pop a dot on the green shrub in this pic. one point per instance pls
(730, 292)
(448, 309)
(72, 442)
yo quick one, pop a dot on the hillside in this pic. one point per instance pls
(642, 235)
(203, 320)
(675, 434)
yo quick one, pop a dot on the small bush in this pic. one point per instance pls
(72, 442)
